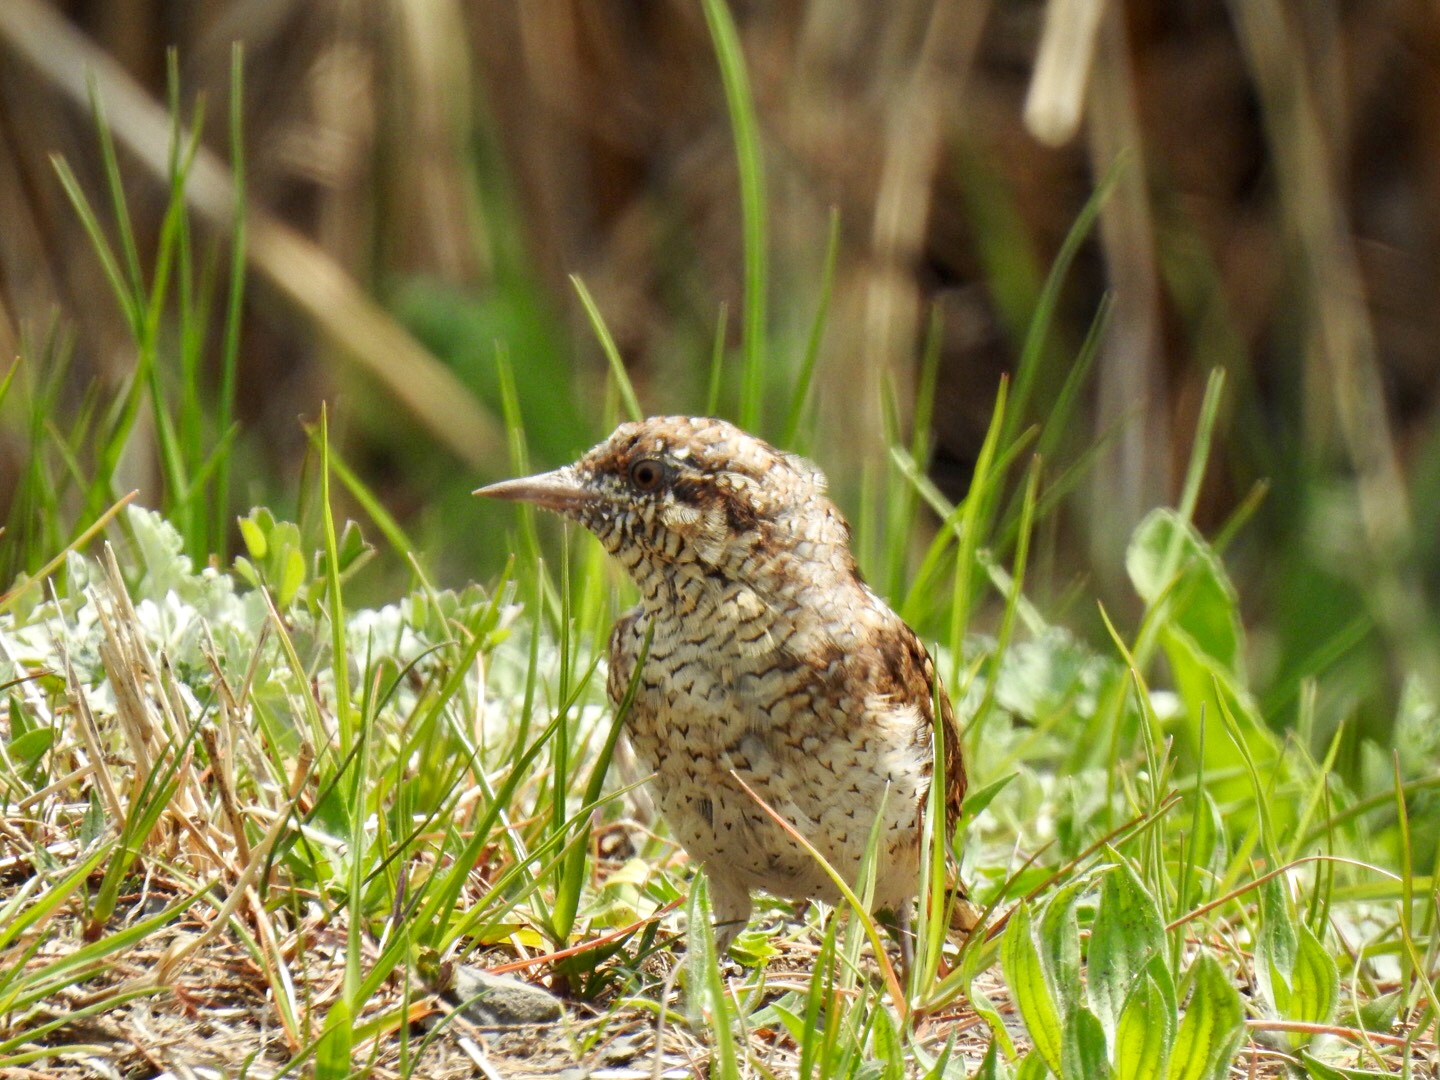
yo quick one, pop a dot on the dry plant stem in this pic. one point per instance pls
(1344, 391)
(1062, 67)
(170, 963)
(273, 957)
(23, 861)
(129, 706)
(318, 286)
(150, 721)
(74, 776)
(75, 545)
(90, 736)
(1132, 388)
(586, 946)
(477, 1055)
(222, 771)
(1233, 894)
(1343, 366)
(34, 700)
(912, 149)
(1065, 871)
(1354, 1034)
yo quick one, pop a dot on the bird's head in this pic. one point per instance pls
(676, 490)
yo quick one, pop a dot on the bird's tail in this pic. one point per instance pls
(964, 912)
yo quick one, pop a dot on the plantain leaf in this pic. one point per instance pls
(1213, 1025)
(1059, 935)
(1275, 947)
(1020, 961)
(1127, 936)
(1084, 1056)
(1314, 984)
(1145, 1033)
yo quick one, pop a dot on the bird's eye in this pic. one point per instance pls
(646, 474)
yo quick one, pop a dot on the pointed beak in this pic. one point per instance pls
(560, 490)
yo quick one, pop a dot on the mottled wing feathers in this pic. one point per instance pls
(906, 675)
(963, 914)
(955, 778)
(946, 729)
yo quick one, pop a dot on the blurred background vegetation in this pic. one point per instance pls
(424, 175)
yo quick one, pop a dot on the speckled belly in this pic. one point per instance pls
(826, 777)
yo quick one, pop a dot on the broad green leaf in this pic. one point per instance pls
(1127, 934)
(95, 822)
(977, 801)
(1213, 1025)
(1200, 631)
(1204, 605)
(944, 1065)
(162, 553)
(1144, 1034)
(30, 747)
(751, 948)
(1276, 948)
(1032, 1067)
(1084, 1056)
(19, 725)
(352, 546)
(703, 983)
(1020, 961)
(351, 552)
(246, 569)
(886, 1050)
(292, 577)
(1314, 984)
(256, 543)
(1059, 934)
(793, 1025)
(1379, 1014)
(1198, 678)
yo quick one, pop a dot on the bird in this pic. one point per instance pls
(773, 672)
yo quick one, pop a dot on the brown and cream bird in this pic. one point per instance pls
(770, 661)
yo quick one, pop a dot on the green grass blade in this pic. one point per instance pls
(116, 188)
(400, 541)
(234, 299)
(344, 714)
(971, 524)
(805, 377)
(743, 123)
(1032, 354)
(99, 243)
(612, 351)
